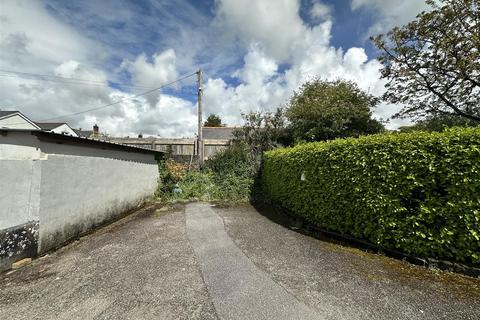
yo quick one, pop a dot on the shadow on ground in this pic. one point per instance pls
(345, 282)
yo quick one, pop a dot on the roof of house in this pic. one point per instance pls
(49, 125)
(6, 113)
(218, 133)
(83, 133)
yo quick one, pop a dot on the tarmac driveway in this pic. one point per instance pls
(201, 262)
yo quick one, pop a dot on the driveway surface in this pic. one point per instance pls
(202, 262)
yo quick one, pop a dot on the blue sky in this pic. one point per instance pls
(254, 55)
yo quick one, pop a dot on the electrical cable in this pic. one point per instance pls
(121, 100)
(74, 81)
(118, 101)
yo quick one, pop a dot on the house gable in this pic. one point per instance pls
(57, 127)
(16, 120)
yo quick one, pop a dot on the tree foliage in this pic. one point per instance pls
(433, 63)
(213, 120)
(324, 110)
(263, 131)
(439, 123)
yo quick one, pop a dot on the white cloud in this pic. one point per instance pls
(57, 49)
(310, 55)
(74, 69)
(38, 40)
(171, 117)
(258, 67)
(320, 11)
(154, 74)
(390, 13)
(279, 52)
(161, 70)
(13, 48)
(274, 24)
(259, 94)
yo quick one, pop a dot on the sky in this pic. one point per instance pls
(254, 55)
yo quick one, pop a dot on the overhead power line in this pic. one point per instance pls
(121, 100)
(67, 80)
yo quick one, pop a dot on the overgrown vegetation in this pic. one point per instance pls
(263, 131)
(227, 178)
(414, 192)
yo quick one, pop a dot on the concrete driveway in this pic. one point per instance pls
(201, 262)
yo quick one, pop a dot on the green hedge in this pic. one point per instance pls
(414, 192)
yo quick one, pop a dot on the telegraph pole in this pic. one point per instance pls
(200, 119)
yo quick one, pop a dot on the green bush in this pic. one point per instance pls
(196, 185)
(233, 172)
(227, 178)
(234, 159)
(415, 192)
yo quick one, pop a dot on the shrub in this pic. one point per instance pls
(414, 192)
(232, 160)
(170, 173)
(233, 172)
(227, 178)
(196, 185)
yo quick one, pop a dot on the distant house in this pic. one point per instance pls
(95, 133)
(57, 127)
(16, 120)
(83, 133)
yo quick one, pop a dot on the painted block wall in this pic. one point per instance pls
(51, 193)
(19, 205)
(79, 193)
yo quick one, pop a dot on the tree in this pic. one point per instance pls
(439, 123)
(324, 110)
(432, 64)
(263, 131)
(213, 120)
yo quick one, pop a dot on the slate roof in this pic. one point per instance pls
(218, 133)
(6, 113)
(49, 125)
(83, 133)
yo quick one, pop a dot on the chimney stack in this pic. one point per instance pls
(95, 130)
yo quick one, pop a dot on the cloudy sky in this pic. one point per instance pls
(254, 54)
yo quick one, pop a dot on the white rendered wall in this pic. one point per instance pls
(67, 189)
(19, 192)
(80, 192)
(16, 122)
